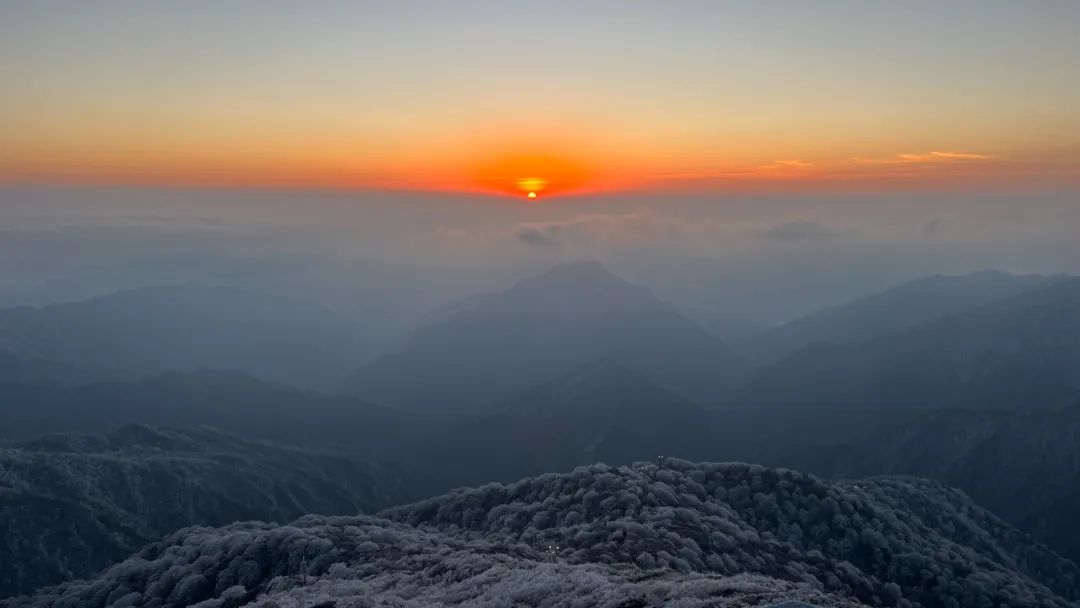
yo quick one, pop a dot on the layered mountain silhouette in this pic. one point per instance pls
(493, 346)
(231, 401)
(677, 533)
(28, 369)
(71, 505)
(901, 307)
(1011, 353)
(602, 412)
(151, 330)
(967, 380)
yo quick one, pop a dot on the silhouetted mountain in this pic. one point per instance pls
(599, 413)
(496, 345)
(21, 369)
(901, 307)
(1013, 353)
(231, 401)
(152, 330)
(733, 329)
(72, 504)
(1024, 466)
(679, 534)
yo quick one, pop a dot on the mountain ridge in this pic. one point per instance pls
(902, 306)
(692, 533)
(141, 332)
(540, 328)
(1003, 354)
(601, 412)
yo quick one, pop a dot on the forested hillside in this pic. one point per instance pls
(647, 535)
(1023, 466)
(73, 504)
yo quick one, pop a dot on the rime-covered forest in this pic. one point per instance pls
(650, 534)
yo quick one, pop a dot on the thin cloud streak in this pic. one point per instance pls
(925, 158)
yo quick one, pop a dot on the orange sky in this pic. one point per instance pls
(513, 97)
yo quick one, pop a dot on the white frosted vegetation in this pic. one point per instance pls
(680, 534)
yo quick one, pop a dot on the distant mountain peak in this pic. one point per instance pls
(503, 343)
(580, 274)
(582, 266)
(987, 277)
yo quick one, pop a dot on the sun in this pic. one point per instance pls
(540, 172)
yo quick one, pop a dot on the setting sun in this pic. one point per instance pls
(547, 168)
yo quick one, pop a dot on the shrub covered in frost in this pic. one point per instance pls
(680, 534)
(884, 541)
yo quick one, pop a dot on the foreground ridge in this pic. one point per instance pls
(648, 535)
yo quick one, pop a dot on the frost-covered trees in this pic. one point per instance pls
(854, 539)
(686, 534)
(364, 561)
(71, 505)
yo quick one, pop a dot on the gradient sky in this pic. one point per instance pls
(481, 96)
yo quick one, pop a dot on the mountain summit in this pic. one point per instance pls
(541, 328)
(577, 275)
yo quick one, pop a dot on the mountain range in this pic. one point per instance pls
(1009, 353)
(901, 307)
(967, 380)
(151, 330)
(230, 401)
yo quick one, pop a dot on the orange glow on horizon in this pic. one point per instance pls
(525, 173)
(537, 176)
(532, 185)
(532, 161)
(470, 100)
